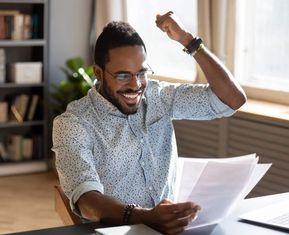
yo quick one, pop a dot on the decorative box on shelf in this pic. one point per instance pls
(25, 72)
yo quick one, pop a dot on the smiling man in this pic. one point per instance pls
(115, 148)
(119, 85)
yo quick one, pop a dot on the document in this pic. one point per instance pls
(217, 185)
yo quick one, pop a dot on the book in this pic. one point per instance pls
(14, 147)
(19, 107)
(35, 26)
(27, 148)
(7, 23)
(18, 22)
(3, 152)
(3, 111)
(2, 27)
(32, 107)
(2, 65)
(15, 26)
(26, 27)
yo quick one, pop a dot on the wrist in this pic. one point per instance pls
(139, 215)
(194, 46)
(186, 39)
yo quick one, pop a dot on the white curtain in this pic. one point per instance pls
(216, 23)
(109, 10)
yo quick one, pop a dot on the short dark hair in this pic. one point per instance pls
(115, 34)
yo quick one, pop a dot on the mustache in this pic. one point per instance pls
(132, 90)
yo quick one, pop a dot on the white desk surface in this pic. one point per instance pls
(234, 226)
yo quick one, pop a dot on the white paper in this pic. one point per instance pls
(217, 184)
(139, 229)
(259, 171)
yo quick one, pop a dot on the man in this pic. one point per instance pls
(116, 148)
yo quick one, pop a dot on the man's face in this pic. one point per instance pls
(125, 95)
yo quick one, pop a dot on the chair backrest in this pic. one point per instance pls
(63, 209)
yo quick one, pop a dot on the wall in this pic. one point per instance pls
(70, 22)
(69, 36)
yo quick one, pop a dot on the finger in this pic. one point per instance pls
(167, 214)
(192, 213)
(179, 207)
(160, 19)
(166, 201)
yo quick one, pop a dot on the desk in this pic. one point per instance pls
(230, 225)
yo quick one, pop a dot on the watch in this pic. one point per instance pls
(194, 46)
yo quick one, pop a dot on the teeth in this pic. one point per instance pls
(130, 96)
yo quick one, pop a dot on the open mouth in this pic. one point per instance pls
(131, 98)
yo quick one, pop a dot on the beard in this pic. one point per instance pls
(115, 98)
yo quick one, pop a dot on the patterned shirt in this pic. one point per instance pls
(129, 157)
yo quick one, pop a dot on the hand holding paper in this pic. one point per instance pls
(217, 184)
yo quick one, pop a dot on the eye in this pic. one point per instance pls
(123, 76)
(142, 74)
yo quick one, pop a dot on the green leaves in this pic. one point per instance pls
(74, 63)
(79, 80)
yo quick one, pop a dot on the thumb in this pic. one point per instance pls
(166, 201)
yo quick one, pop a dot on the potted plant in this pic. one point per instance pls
(79, 80)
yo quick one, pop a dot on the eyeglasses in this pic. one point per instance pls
(127, 77)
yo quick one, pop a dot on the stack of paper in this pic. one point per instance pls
(217, 184)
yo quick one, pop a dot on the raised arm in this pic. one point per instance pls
(218, 76)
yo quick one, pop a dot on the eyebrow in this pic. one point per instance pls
(123, 71)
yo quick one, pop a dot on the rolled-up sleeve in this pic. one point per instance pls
(218, 106)
(74, 159)
(193, 102)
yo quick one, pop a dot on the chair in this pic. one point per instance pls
(62, 207)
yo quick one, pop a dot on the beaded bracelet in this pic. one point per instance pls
(127, 212)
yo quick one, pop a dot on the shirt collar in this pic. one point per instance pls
(101, 105)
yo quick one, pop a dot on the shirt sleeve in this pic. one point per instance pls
(74, 160)
(193, 102)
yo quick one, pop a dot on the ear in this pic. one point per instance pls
(98, 72)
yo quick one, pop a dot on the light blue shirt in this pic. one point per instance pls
(129, 157)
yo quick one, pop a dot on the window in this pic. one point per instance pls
(164, 55)
(262, 44)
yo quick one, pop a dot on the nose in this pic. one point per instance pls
(135, 82)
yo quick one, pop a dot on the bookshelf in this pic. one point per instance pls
(24, 86)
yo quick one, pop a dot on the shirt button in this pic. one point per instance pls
(142, 163)
(141, 140)
(150, 188)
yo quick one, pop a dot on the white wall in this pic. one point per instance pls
(69, 28)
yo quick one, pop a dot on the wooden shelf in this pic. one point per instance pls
(17, 85)
(24, 1)
(22, 43)
(14, 168)
(21, 124)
